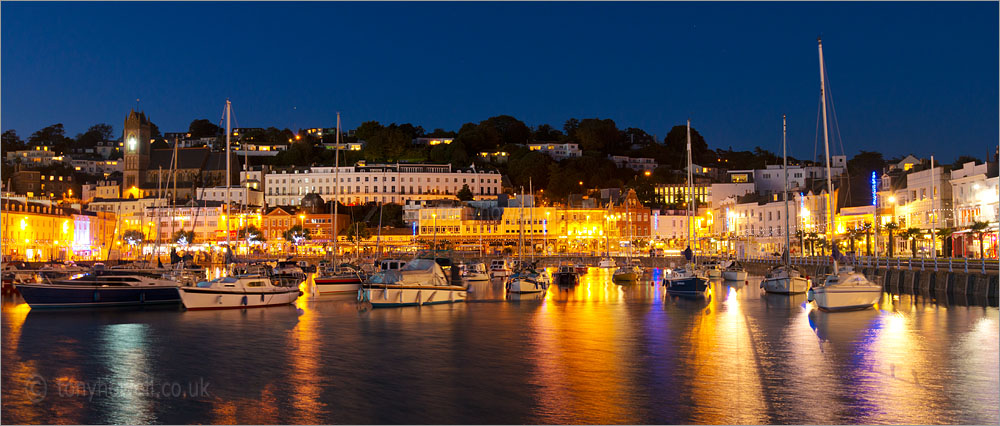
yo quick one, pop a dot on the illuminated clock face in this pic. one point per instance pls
(131, 143)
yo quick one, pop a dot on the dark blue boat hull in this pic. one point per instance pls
(692, 286)
(57, 296)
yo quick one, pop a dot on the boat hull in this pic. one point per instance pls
(846, 299)
(500, 273)
(71, 296)
(626, 277)
(476, 277)
(195, 298)
(686, 286)
(564, 279)
(522, 285)
(337, 285)
(388, 295)
(785, 285)
(734, 275)
(713, 273)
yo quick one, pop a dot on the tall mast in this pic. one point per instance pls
(531, 218)
(173, 194)
(336, 193)
(159, 196)
(830, 200)
(228, 176)
(690, 179)
(520, 241)
(784, 156)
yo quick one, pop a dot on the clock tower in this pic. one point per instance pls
(135, 138)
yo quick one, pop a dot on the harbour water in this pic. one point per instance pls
(595, 353)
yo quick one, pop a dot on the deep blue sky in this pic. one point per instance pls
(906, 77)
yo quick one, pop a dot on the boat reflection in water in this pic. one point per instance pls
(592, 353)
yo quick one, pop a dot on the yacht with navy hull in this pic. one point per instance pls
(101, 289)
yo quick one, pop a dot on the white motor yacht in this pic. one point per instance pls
(237, 292)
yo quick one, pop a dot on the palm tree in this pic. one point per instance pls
(911, 234)
(979, 229)
(889, 227)
(945, 235)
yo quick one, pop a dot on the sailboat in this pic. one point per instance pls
(236, 291)
(334, 278)
(525, 279)
(785, 278)
(630, 272)
(686, 281)
(845, 289)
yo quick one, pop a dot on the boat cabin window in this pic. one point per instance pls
(255, 284)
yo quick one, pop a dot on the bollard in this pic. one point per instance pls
(949, 264)
(967, 265)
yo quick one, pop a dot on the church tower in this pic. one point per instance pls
(136, 138)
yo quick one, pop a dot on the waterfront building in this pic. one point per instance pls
(237, 195)
(772, 179)
(33, 183)
(677, 194)
(558, 151)
(384, 183)
(974, 197)
(40, 230)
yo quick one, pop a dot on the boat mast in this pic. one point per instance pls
(933, 214)
(336, 194)
(228, 181)
(531, 219)
(830, 201)
(784, 156)
(520, 237)
(690, 204)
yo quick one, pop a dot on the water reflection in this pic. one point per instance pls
(596, 352)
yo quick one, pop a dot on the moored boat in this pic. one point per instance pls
(500, 268)
(420, 282)
(101, 289)
(345, 279)
(474, 272)
(566, 275)
(237, 292)
(785, 279)
(734, 272)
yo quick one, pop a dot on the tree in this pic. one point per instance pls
(11, 142)
(889, 228)
(945, 235)
(93, 135)
(202, 128)
(133, 237)
(979, 230)
(545, 133)
(676, 142)
(54, 136)
(296, 235)
(465, 194)
(183, 237)
(596, 134)
(911, 234)
(358, 231)
(252, 235)
(867, 228)
(570, 127)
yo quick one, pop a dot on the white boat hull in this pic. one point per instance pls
(195, 298)
(518, 285)
(734, 275)
(338, 288)
(500, 273)
(607, 264)
(407, 295)
(713, 273)
(786, 285)
(476, 276)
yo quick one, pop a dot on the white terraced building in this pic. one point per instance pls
(385, 183)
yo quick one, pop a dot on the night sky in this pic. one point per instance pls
(905, 77)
